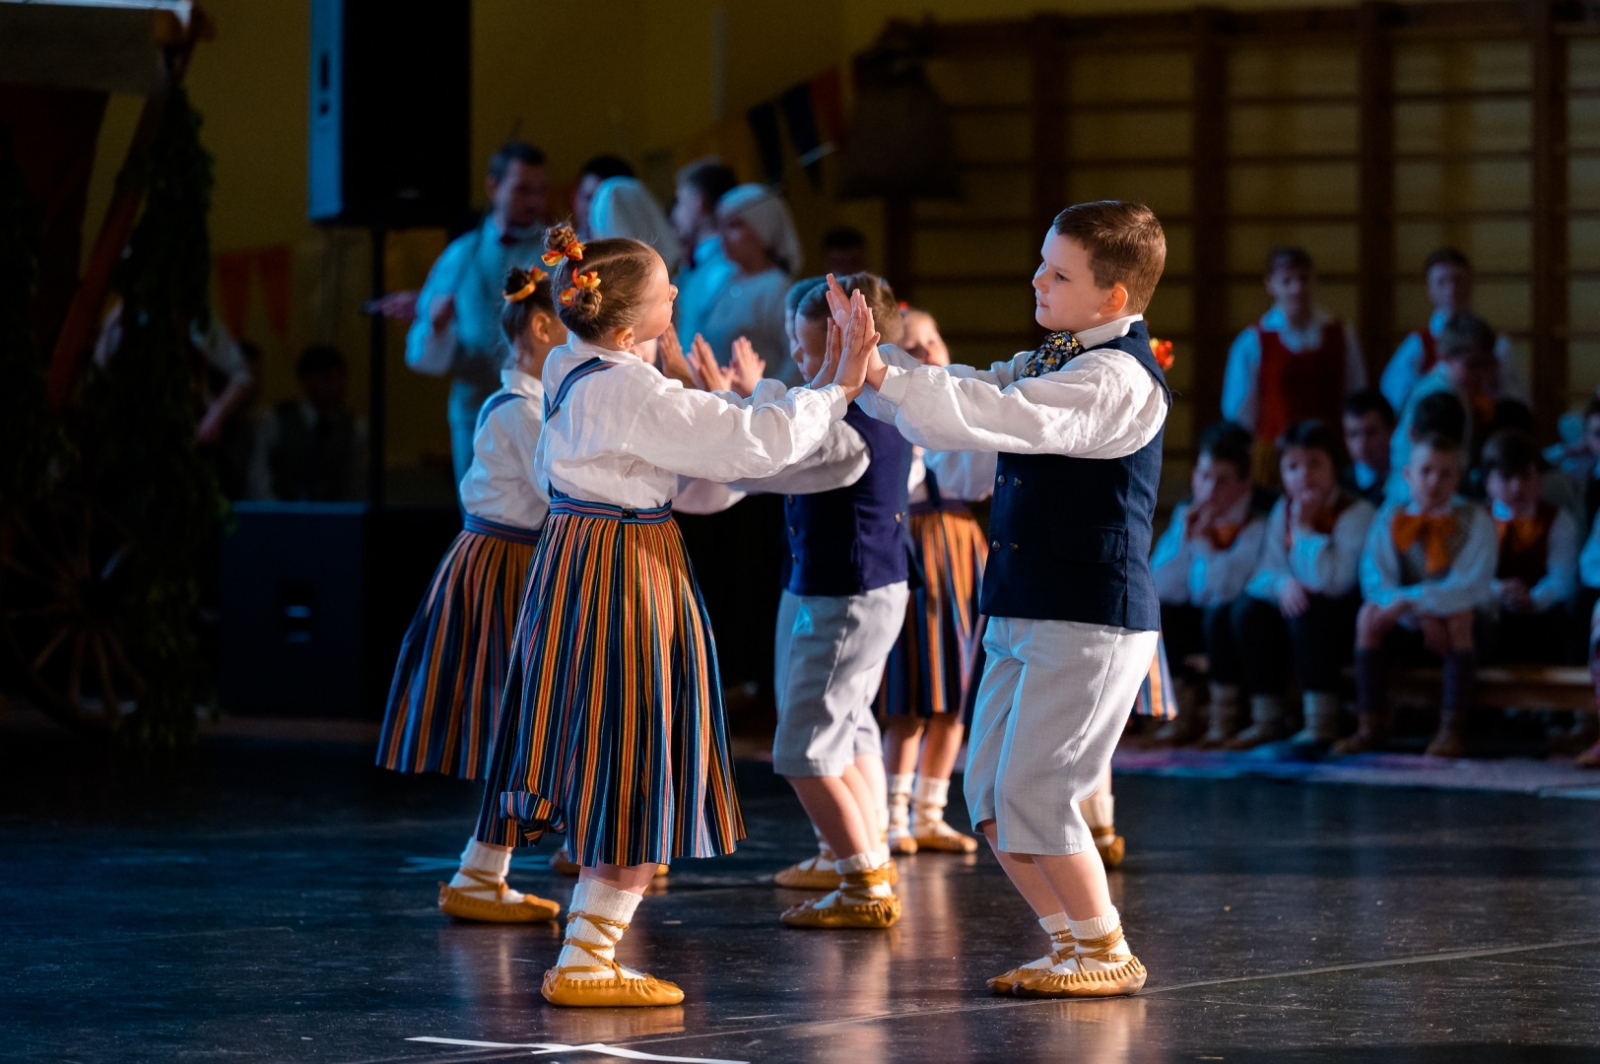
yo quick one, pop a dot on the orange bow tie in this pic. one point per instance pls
(1519, 533)
(1222, 537)
(1435, 532)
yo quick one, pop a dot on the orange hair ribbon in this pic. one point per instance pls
(573, 250)
(535, 275)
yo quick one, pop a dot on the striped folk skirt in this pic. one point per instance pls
(935, 664)
(1156, 695)
(444, 702)
(613, 730)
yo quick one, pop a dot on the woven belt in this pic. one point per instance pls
(485, 527)
(566, 504)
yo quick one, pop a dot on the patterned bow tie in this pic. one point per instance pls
(1057, 350)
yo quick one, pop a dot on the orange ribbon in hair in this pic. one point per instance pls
(1435, 533)
(591, 279)
(535, 275)
(572, 250)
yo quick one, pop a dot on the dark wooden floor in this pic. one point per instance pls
(276, 903)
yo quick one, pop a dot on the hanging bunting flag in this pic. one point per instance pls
(802, 122)
(763, 122)
(233, 289)
(273, 265)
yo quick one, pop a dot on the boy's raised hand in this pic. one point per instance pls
(831, 355)
(860, 344)
(746, 368)
(838, 302)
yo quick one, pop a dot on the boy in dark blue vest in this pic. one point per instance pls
(1072, 607)
(844, 602)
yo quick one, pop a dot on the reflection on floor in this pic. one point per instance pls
(275, 903)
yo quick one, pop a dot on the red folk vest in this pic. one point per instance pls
(1430, 350)
(1292, 387)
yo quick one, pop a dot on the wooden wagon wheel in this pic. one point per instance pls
(60, 572)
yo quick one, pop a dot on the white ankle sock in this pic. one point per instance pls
(1098, 927)
(1053, 925)
(900, 802)
(929, 799)
(861, 862)
(486, 860)
(1098, 810)
(596, 899)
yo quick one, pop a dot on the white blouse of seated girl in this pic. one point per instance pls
(626, 436)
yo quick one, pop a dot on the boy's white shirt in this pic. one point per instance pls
(627, 436)
(1560, 578)
(1191, 572)
(1240, 394)
(967, 476)
(1466, 586)
(1324, 563)
(500, 485)
(1101, 404)
(1589, 558)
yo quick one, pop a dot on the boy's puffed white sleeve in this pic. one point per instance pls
(1102, 404)
(1467, 585)
(965, 475)
(1171, 559)
(1380, 568)
(1560, 580)
(704, 496)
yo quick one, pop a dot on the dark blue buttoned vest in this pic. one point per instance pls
(854, 539)
(1069, 538)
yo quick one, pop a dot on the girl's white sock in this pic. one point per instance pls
(594, 898)
(1090, 955)
(1098, 812)
(491, 862)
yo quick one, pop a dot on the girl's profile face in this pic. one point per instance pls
(656, 303)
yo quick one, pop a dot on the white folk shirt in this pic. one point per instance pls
(1241, 395)
(965, 476)
(1324, 563)
(1191, 572)
(1465, 586)
(625, 436)
(500, 485)
(1101, 404)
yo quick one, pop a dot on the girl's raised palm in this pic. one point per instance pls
(746, 368)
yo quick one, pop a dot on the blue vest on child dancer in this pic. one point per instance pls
(1069, 538)
(853, 539)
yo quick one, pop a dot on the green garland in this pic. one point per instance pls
(141, 461)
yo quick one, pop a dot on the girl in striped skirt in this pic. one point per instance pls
(934, 667)
(445, 699)
(613, 727)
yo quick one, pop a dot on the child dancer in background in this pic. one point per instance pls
(1427, 567)
(1300, 606)
(843, 603)
(1072, 608)
(1201, 564)
(444, 703)
(613, 728)
(934, 667)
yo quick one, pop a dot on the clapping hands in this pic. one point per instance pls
(740, 376)
(848, 310)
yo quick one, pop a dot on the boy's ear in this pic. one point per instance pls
(1116, 303)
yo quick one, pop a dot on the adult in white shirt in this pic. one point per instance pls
(456, 331)
(763, 252)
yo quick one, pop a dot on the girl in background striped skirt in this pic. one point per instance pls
(445, 699)
(613, 728)
(933, 669)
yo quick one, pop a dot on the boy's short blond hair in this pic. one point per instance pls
(1125, 242)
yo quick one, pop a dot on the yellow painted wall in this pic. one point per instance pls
(626, 76)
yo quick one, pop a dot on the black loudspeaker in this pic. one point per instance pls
(316, 598)
(390, 112)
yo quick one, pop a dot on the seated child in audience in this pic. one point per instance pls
(1537, 568)
(1305, 591)
(1448, 275)
(1297, 362)
(1428, 565)
(1201, 564)
(1368, 425)
(1467, 370)
(1579, 461)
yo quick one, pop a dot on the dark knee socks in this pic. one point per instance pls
(1372, 694)
(1460, 667)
